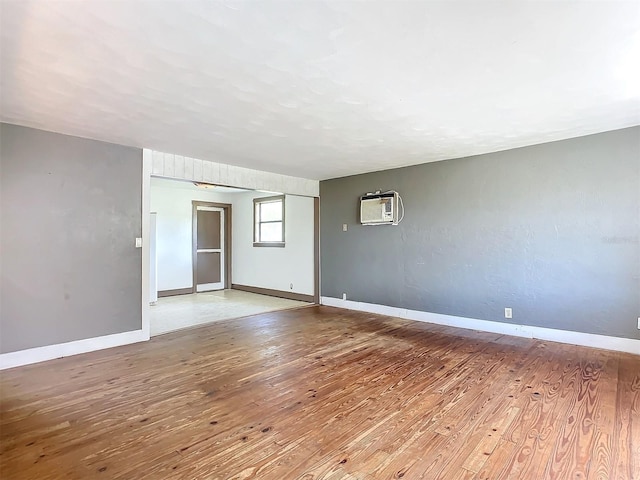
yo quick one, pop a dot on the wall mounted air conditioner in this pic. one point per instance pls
(380, 208)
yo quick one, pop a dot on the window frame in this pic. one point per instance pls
(256, 201)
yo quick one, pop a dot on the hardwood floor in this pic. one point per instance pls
(326, 393)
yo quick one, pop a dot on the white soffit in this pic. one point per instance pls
(321, 89)
(190, 185)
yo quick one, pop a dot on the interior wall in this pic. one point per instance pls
(272, 267)
(70, 210)
(551, 231)
(171, 200)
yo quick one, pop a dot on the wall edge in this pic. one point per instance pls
(603, 342)
(76, 347)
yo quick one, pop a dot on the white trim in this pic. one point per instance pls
(49, 352)
(147, 164)
(605, 342)
(153, 263)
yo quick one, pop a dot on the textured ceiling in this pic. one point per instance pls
(321, 89)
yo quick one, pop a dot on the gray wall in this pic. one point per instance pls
(70, 211)
(550, 230)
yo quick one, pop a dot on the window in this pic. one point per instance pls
(268, 222)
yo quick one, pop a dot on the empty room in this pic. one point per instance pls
(319, 240)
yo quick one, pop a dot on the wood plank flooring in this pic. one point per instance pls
(324, 393)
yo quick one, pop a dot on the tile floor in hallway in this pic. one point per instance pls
(183, 311)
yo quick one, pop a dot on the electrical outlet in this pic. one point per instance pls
(508, 313)
(291, 286)
(344, 296)
(638, 323)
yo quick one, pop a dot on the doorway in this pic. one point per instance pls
(211, 248)
(208, 266)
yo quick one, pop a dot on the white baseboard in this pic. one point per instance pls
(49, 352)
(605, 342)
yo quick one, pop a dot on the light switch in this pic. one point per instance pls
(344, 227)
(138, 242)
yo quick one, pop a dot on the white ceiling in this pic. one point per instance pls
(321, 89)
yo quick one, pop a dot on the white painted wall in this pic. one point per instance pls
(171, 200)
(153, 260)
(264, 267)
(271, 267)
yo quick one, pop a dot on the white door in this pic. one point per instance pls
(209, 254)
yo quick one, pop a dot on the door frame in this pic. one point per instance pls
(194, 240)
